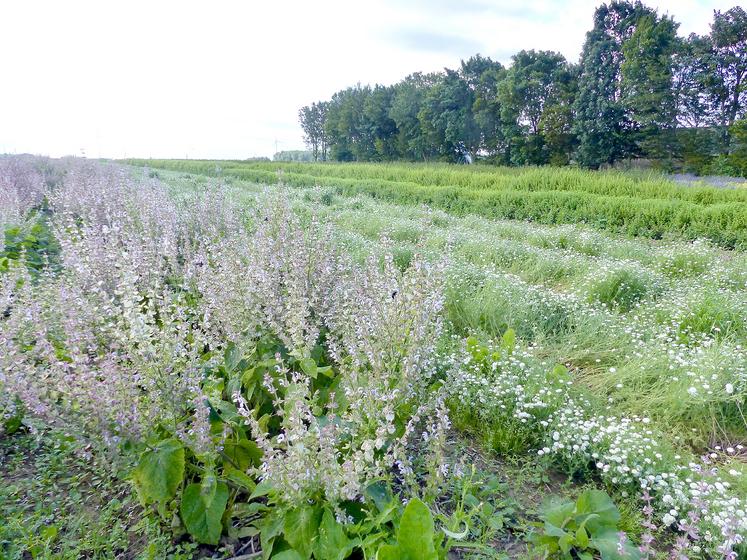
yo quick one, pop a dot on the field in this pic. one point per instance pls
(232, 359)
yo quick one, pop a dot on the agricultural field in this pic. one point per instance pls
(243, 360)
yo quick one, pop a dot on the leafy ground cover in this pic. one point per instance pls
(301, 373)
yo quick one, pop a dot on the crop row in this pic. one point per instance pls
(614, 202)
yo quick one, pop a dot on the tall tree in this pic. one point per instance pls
(482, 76)
(537, 85)
(603, 123)
(728, 73)
(381, 126)
(646, 83)
(407, 101)
(447, 120)
(689, 78)
(313, 121)
(350, 138)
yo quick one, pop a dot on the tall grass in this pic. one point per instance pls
(648, 207)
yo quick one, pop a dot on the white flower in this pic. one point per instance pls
(729, 388)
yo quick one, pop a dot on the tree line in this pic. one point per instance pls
(638, 91)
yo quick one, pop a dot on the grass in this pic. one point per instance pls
(636, 205)
(59, 501)
(602, 303)
(647, 328)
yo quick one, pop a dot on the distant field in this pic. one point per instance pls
(631, 203)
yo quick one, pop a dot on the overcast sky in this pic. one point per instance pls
(225, 79)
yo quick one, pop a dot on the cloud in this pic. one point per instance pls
(434, 41)
(227, 80)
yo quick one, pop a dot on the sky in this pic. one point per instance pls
(225, 79)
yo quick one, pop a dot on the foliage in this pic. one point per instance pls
(313, 120)
(415, 536)
(613, 201)
(636, 80)
(275, 368)
(59, 501)
(584, 529)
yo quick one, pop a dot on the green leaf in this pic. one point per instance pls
(389, 552)
(565, 543)
(582, 537)
(239, 478)
(415, 535)
(308, 365)
(332, 543)
(553, 530)
(271, 527)
(208, 487)
(606, 542)
(598, 502)
(204, 523)
(231, 356)
(243, 454)
(380, 493)
(301, 528)
(262, 489)
(287, 555)
(558, 514)
(160, 471)
(243, 510)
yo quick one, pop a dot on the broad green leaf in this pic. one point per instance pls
(553, 531)
(582, 537)
(204, 523)
(231, 356)
(208, 487)
(380, 493)
(239, 478)
(598, 502)
(271, 527)
(565, 543)
(332, 543)
(415, 535)
(160, 471)
(243, 509)
(389, 552)
(301, 528)
(308, 365)
(607, 541)
(287, 555)
(243, 454)
(558, 514)
(262, 489)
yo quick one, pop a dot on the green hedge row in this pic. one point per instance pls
(724, 223)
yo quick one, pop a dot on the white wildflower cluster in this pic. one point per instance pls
(625, 451)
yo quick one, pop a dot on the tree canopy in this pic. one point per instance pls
(638, 91)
